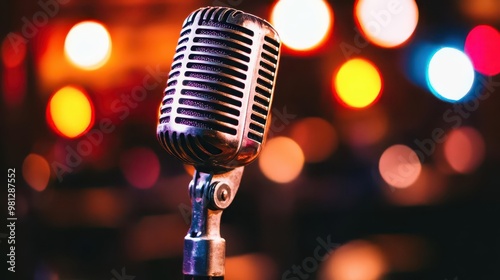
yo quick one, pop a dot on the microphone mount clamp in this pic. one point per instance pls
(204, 248)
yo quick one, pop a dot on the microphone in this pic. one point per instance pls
(214, 115)
(215, 110)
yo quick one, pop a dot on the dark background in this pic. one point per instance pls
(93, 222)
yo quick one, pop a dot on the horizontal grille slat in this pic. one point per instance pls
(204, 124)
(214, 78)
(207, 115)
(211, 95)
(224, 34)
(213, 86)
(220, 51)
(216, 68)
(202, 104)
(218, 60)
(222, 42)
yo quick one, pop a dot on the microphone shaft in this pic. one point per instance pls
(204, 248)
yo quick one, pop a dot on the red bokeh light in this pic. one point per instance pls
(482, 46)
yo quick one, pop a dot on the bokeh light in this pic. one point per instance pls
(316, 137)
(88, 45)
(189, 169)
(14, 81)
(70, 112)
(363, 128)
(481, 10)
(14, 73)
(356, 260)
(357, 84)
(429, 188)
(464, 149)
(450, 74)
(303, 25)
(141, 167)
(399, 166)
(387, 23)
(36, 172)
(104, 207)
(251, 267)
(13, 52)
(404, 252)
(281, 160)
(482, 46)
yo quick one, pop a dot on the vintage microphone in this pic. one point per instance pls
(215, 115)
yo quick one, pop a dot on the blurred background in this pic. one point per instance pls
(382, 160)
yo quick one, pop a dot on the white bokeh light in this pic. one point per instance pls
(88, 45)
(302, 24)
(387, 23)
(450, 74)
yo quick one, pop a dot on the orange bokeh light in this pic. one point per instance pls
(429, 188)
(363, 128)
(355, 260)
(281, 160)
(316, 137)
(36, 172)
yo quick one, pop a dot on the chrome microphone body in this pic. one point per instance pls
(216, 105)
(214, 115)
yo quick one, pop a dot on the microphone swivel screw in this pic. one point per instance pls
(221, 196)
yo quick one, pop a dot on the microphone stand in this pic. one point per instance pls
(204, 248)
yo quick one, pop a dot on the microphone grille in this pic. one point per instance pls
(264, 88)
(215, 74)
(219, 90)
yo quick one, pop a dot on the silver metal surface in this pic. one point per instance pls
(215, 114)
(204, 248)
(220, 89)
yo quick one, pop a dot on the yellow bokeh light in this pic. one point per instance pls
(36, 172)
(70, 112)
(88, 45)
(387, 23)
(357, 84)
(302, 24)
(281, 160)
